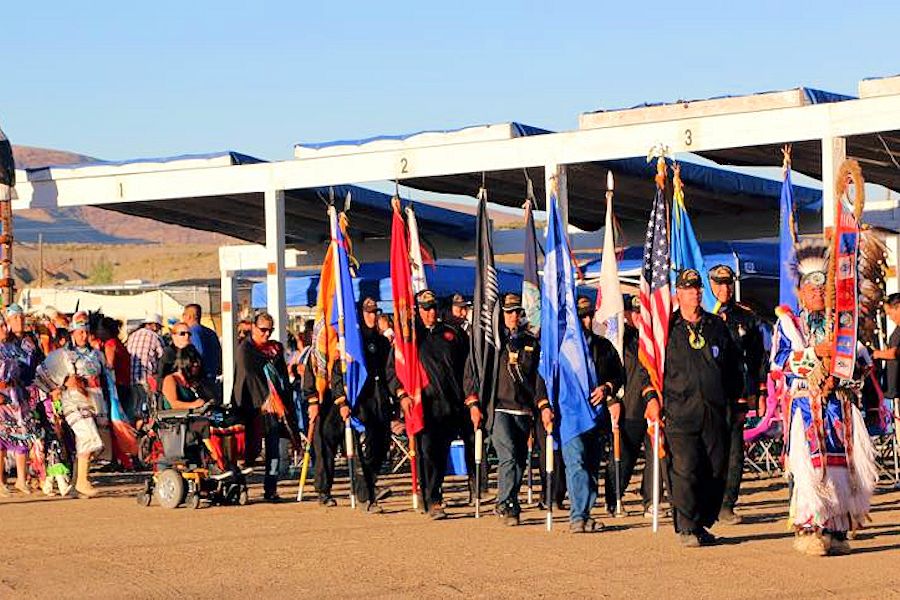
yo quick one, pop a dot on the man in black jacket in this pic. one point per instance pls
(373, 406)
(701, 384)
(259, 364)
(744, 327)
(510, 414)
(632, 422)
(443, 353)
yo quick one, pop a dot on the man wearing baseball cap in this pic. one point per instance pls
(744, 327)
(459, 313)
(373, 406)
(510, 414)
(443, 352)
(701, 383)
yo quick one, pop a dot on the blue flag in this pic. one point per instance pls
(787, 278)
(344, 320)
(685, 251)
(567, 371)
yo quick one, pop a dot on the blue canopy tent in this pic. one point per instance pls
(755, 263)
(374, 279)
(756, 259)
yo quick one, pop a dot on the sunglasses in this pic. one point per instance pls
(266, 330)
(183, 333)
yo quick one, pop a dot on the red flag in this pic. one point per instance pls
(406, 354)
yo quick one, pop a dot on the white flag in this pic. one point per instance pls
(417, 267)
(609, 316)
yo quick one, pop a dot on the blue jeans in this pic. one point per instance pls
(509, 435)
(582, 457)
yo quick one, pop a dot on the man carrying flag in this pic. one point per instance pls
(338, 347)
(404, 365)
(701, 386)
(575, 390)
(372, 408)
(443, 353)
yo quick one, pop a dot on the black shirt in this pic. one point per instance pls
(637, 381)
(745, 331)
(443, 352)
(892, 367)
(702, 379)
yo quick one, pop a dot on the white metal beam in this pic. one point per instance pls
(698, 134)
(275, 290)
(229, 324)
(834, 152)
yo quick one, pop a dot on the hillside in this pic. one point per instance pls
(88, 245)
(90, 225)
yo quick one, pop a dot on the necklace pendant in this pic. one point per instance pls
(696, 340)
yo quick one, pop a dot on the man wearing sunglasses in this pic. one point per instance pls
(261, 395)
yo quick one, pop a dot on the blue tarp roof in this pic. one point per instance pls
(518, 130)
(236, 159)
(750, 259)
(374, 279)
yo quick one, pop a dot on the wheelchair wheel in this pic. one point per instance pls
(170, 488)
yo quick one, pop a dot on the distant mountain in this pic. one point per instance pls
(91, 225)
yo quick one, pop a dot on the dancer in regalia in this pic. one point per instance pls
(830, 457)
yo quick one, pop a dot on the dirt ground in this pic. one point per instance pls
(109, 547)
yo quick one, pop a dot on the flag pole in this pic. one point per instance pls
(304, 469)
(349, 449)
(529, 466)
(479, 454)
(548, 468)
(656, 475)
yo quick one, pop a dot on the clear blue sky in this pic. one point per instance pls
(120, 80)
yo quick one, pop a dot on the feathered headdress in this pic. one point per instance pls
(812, 260)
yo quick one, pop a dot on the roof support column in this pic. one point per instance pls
(229, 305)
(834, 152)
(275, 292)
(554, 173)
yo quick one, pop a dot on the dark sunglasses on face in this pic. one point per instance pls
(183, 333)
(266, 330)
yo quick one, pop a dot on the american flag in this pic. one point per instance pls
(656, 298)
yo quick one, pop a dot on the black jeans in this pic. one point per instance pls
(264, 430)
(735, 461)
(698, 466)
(328, 440)
(372, 446)
(433, 446)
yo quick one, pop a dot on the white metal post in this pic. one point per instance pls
(229, 307)
(275, 293)
(834, 151)
(559, 172)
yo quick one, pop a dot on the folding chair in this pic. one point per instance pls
(398, 453)
(764, 441)
(884, 433)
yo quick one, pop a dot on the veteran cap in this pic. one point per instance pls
(721, 274)
(689, 278)
(426, 299)
(511, 302)
(458, 300)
